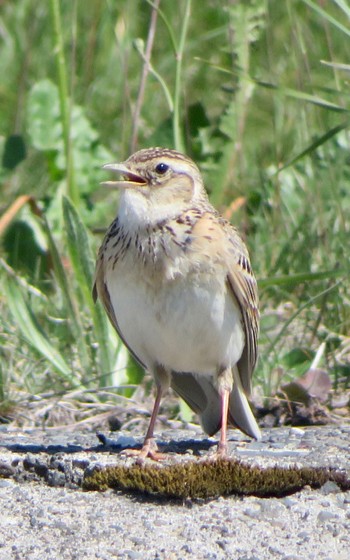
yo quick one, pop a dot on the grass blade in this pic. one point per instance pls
(72, 310)
(326, 16)
(316, 144)
(286, 91)
(83, 269)
(299, 278)
(32, 332)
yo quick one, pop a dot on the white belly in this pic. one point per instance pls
(183, 326)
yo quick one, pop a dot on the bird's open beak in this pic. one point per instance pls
(129, 179)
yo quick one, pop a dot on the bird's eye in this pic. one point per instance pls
(162, 168)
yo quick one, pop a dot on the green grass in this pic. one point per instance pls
(256, 92)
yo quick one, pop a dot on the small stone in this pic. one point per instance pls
(132, 554)
(80, 463)
(330, 487)
(29, 461)
(117, 528)
(325, 503)
(297, 432)
(288, 502)
(346, 498)
(273, 550)
(279, 523)
(253, 512)
(56, 479)
(222, 543)
(272, 509)
(6, 471)
(248, 558)
(114, 423)
(5, 483)
(326, 515)
(304, 536)
(138, 541)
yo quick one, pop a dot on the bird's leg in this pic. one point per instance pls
(150, 448)
(224, 386)
(222, 446)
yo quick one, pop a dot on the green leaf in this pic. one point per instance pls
(295, 315)
(286, 91)
(301, 277)
(46, 133)
(186, 413)
(14, 151)
(25, 247)
(43, 117)
(71, 304)
(83, 269)
(78, 247)
(297, 357)
(316, 144)
(32, 332)
(327, 16)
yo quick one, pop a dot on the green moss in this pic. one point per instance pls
(209, 479)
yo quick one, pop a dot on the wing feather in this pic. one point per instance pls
(224, 244)
(243, 286)
(100, 291)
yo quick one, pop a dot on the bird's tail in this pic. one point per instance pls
(240, 414)
(202, 396)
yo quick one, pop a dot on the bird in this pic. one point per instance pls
(176, 282)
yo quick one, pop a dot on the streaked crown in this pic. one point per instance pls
(158, 165)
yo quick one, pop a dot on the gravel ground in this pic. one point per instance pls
(45, 515)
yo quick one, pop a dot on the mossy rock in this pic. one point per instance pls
(210, 479)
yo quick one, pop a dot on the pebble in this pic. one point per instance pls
(297, 432)
(132, 554)
(289, 502)
(330, 487)
(253, 512)
(5, 483)
(6, 470)
(326, 515)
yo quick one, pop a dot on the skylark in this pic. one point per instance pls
(176, 282)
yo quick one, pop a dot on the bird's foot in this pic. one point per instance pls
(220, 453)
(149, 450)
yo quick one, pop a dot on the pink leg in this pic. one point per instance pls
(149, 448)
(222, 447)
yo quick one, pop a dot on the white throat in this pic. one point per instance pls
(137, 211)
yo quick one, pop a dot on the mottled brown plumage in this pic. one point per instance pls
(176, 282)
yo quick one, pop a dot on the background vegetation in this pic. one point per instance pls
(257, 92)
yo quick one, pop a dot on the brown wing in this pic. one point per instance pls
(217, 239)
(100, 291)
(214, 239)
(243, 286)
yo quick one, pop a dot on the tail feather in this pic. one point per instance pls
(240, 413)
(202, 396)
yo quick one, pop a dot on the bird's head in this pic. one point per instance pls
(158, 177)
